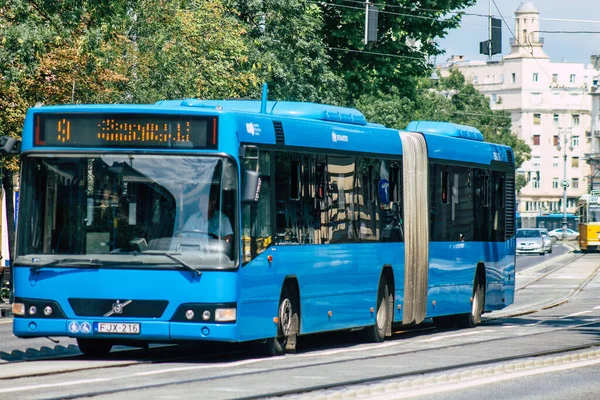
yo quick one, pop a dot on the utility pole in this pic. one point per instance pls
(494, 43)
(565, 182)
(489, 42)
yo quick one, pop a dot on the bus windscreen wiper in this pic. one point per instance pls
(76, 262)
(171, 256)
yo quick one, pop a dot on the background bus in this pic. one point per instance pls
(351, 225)
(589, 221)
(548, 221)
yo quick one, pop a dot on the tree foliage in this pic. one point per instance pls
(407, 34)
(453, 100)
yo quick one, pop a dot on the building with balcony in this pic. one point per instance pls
(548, 101)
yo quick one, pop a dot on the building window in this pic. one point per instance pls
(494, 98)
(575, 141)
(513, 77)
(554, 78)
(554, 183)
(475, 80)
(555, 158)
(556, 98)
(535, 162)
(575, 119)
(537, 119)
(536, 99)
(555, 140)
(536, 140)
(572, 78)
(535, 76)
(575, 162)
(535, 182)
(575, 183)
(555, 120)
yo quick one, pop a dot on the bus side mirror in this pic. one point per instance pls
(9, 145)
(250, 187)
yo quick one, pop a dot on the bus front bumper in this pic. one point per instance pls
(125, 330)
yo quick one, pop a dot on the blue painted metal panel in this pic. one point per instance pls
(446, 128)
(449, 148)
(342, 279)
(173, 285)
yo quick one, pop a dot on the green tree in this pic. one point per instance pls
(287, 49)
(408, 31)
(452, 100)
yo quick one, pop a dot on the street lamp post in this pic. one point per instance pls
(565, 182)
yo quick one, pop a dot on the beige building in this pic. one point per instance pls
(549, 103)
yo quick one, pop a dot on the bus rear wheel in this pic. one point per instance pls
(287, 326)
(376, 333)
(94, 347)
(473, 318)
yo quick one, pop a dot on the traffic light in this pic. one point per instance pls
(496, 39)
(371, 20)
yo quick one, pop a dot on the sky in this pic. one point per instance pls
(559, 47)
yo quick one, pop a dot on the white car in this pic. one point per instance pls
(533, 240)
(558, 234)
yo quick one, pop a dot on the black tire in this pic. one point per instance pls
(376, 333)
(472, 319)
(287, 327)
(550, 251)
(94, 347)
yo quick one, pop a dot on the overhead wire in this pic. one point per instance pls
(530, 50)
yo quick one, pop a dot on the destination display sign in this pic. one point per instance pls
(126, 130)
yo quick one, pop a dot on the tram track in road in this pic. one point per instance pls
(318, 365)
(544, 275)
(232, 359)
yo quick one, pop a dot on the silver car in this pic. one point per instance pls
(533, 240)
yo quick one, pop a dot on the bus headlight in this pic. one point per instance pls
(225, 314)
(18, 309)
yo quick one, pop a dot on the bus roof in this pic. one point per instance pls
(279, 108)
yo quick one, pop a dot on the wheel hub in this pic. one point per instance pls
(285, 316)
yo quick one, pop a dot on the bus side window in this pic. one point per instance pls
(257, 234)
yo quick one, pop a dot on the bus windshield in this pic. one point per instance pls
(140, 209)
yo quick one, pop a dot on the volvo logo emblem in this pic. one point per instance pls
(117, 307)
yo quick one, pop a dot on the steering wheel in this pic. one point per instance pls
(195, 231)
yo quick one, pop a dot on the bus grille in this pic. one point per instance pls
(118, 307)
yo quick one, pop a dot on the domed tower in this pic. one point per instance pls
(527, 31)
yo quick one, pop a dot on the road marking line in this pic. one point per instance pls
(364, 348)
(6, 322)
(435, 339)
(597, 308)
(50, 385)
(575, 314)
(211, 366)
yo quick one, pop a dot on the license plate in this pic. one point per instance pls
(120, 328)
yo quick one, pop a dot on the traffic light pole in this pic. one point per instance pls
(490, 31)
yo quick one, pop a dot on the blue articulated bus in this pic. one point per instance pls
(254, 221)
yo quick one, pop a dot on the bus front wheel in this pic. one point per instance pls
(94, 347)
(287, 326)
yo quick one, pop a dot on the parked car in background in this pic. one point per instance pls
(533, 240)
(557, 234)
